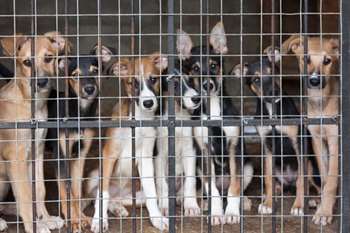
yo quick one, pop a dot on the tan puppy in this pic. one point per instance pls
(322, 90)
(145, 74)
(15, 105)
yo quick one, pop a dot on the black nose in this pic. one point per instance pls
(148, 103)
(42, 82)
(196, 99)
(205, 86)
(89, 90)
(314, 81)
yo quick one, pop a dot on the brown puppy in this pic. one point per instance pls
(15, 145)
(322, 90)
(140, 79)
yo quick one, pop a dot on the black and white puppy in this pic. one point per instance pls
(82, 103)
(287, 139)
(187, 99)
(207, 70)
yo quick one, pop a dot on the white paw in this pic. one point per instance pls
(313, 203)
(191, 207)
(118, 209)
(322, 217)
(263, 209)
(232, 210)
(297, 211)
(3, 224)
(53, 222)
(42, 227)
(95, 225)
(217, 220)
(161, 223)
(164, 206)
(247, 204)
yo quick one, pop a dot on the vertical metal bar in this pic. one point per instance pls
(273, 71)
(32, 94)
(304, 108)
(345, 106)
(171, 117)
(134, 8)
(66, 163)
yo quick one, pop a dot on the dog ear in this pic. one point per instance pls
(335, 46)
(239, 71)
(184, 45)
(270, 52)
(292, 44)
(58, 41)
(160, 61)
(11, 45)
(218, 39)
(106, 53)
(121, 68)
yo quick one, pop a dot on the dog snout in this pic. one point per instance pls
(90, 90)
(196, 99)
(42, 82)
(148, 103)
(205, 86)
(315, 81)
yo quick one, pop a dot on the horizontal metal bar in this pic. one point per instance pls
(166, 123)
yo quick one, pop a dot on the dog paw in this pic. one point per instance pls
(191, 207)
(3, 224)
(313, 203)
(232, 210)
(83, 225)
(53, 222)
(247, 204)
(95, 225)
(161, 223)
(322, 216)
(217, 220)
(264, 209)
(118, 209)
(297, 211)
(42, 228)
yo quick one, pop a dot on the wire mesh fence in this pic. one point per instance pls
(179, 116)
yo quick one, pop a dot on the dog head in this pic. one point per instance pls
(186, 95)
(47, 48)
(197, 63)
(322, 58)
(142, 78)
(258, 75)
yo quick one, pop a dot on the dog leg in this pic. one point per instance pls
(22, 188)
(146, 171)
(189, 164)
(266, 206)
(324, 213)
(4, 188)
(52, 222)
(111, 153)
(298, 205)
(161, 182)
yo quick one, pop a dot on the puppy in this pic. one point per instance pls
(286, 139)
(15, 146)
(322, 89)
(82, 103)
(187, 99)
(207, 69)
(140, 78)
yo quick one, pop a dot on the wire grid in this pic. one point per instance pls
(136, 29)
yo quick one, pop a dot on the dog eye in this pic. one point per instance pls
(256, 80)
(196, 68)
(27, 62)
(326, 61)
(48, 59)
(213, 66)
(153, 79)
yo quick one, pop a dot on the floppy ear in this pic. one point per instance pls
(292, 44)
(160, 61)
(218, 38)
(12, 44)
(335, 46)
(239, 71)
(121, 68)
(58, 42)
(61, 65)
(270, 52)
(106, 53)
(183, 45)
